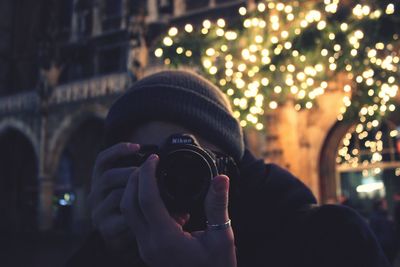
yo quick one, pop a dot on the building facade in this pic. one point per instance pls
(63, 63)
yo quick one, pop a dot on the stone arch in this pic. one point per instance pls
(327, 169)
(327, 161)
(23, 128)
(19, 185)
(73, 148)
(69, 124)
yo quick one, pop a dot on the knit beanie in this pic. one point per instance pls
(180, 97)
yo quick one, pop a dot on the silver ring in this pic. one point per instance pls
(222, 226)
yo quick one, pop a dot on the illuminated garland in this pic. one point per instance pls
(367, 148)
(292, 50)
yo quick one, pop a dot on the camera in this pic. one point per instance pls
(185, 170)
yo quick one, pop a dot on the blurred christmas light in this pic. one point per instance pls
(276, 50)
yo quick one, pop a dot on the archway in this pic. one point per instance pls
(72, 178)
(18, 182)
(361, 164)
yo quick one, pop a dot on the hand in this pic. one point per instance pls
(105, 196)
(161, 240)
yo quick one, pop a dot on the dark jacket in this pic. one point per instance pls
(277, 224)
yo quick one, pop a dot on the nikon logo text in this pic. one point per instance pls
(181, 141)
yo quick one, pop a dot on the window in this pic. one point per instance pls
(65, 10)
(112, 59)
(112, 15)
(368, 164)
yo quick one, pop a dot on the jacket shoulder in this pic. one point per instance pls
(339, 236)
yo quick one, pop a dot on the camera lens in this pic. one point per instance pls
(185, 176)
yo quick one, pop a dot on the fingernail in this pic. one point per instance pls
(219, 185)
(153, 157)
(134, 146)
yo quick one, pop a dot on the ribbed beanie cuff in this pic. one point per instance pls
(182, 98)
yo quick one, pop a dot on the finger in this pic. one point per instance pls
(122, 241)
(216, 203)
(113, 226)
(108, 181)
(150, 200)
(108, 207)
(114, 179)
(181, 219)
(112, 153)
(198, 234)
(130, 206)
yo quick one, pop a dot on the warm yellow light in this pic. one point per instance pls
(242, 11)
(179, 50)
(261, 7)
(321, 25)
(288, 45)
(173, 31)
(188, 28)
(207, 63)
(220, 32)
(210, 52)
(271, 5)
(158, 52)
(167, 41)
(259, 39)
(264, 81)
(359, 34)
(230, 35)
(221, 23)
(207, 24)
(389, 9)
(303, 23)
(247, 23)
(291, 68)
(277, 89)
(273, 105)
(380, 46)
(213, 70)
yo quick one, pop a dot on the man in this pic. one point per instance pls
(262, 217)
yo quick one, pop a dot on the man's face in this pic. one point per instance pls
(155, 133)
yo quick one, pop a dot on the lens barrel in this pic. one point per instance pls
(184, 176)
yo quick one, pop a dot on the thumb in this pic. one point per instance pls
(216, 203)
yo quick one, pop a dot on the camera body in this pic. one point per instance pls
(184, 172)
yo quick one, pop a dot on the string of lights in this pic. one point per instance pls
(296, 50)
